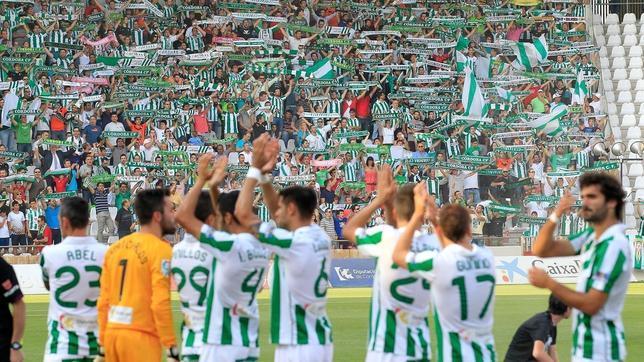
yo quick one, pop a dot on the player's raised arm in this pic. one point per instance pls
(545, 245)
(185, 214)
(385, 192)
(265, 152)
(404, 242)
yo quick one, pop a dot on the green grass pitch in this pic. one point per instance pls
(348, 311)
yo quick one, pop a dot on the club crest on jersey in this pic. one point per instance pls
(165, 267)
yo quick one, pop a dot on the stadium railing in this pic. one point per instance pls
(602, 8)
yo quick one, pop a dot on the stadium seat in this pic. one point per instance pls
(629, 29)
(635, 51)
(611, 19)
(627, 108)
(639, 195)
(639, 97)
(612, 30)
(597, 19)
(282, 145)
(636, 74)
(610, 96)
(616, 132)
(619, 74)
(629, 209)
(624, 85)
(642, 39)
(626, 181)
(612, 108)
(629, 221)
(629, 18)
(618, 63)
(630, 40)
(639, 85)
(624, 97)
(613, 120)
(628, 120)
(604, 63)
(598, 30)
(634, 132)
(603, 52)
(641, 122)
(635, 63)
(639, 183)
(642, 29)
(614, 40)
(290, 145)
(635, 170)
(608, 85)
(600, 40)
(641, 109)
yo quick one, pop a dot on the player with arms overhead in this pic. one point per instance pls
(134, 312)
(462, 277)
(191, 263)
(71, 271)
(398, 328)
(239, 264)
(597, 302)
(299, 323)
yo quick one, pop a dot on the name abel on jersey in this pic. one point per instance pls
(78, 254)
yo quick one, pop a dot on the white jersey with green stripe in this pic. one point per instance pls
(398, 321)
(462, 283)
(299, 282)
(73, 270)
(191, 263)
(236, 275)
(607, 265)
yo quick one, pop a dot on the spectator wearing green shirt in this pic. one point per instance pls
(123, 193)
(560, 160)
(23, 133)
(475, 149)
(539, 103)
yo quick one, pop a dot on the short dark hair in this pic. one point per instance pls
(304, 199)
(556, 305)
(76, 210)
(454, 221)
(226, 202)
(204, 206)
(147, 202)
(404, 201)
(609, 186)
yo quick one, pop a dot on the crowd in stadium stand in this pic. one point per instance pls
(493, 103)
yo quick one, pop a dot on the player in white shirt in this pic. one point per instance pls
(231, 321)
(462, 276)
(191, 263)
(398, 323)
(299, 323)
(71, 272)
(607, 264)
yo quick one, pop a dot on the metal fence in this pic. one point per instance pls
(602, 8)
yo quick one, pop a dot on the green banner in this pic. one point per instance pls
(504, 209)
(351, 147)
(532, 220)
(62, 171)
(113, 134)
(477, 160)
(541, 198)
(602, 167)
(58, 195)
(143, 165)
(16, 60)
(21, 177)
(103, 178)
(454, 166)
(353, 185)
(12, 154)
(352, 134)
(52, 44)
(53, 142)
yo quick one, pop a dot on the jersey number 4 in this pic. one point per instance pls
(460, 283)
